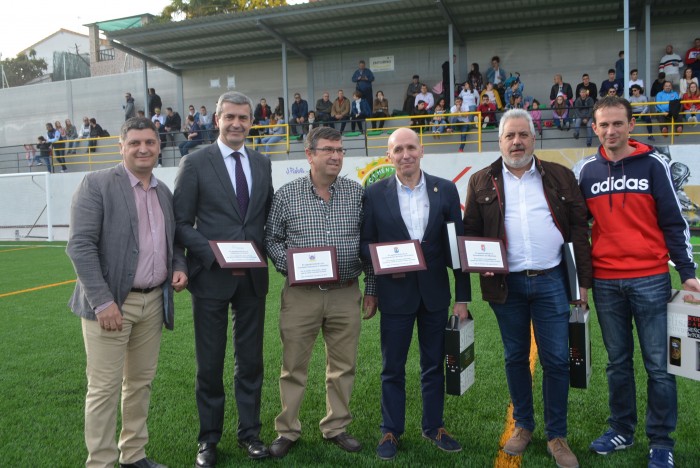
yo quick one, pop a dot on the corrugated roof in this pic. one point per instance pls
(325, 25)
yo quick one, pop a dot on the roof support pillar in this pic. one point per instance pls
(285, 83)
(449, 93)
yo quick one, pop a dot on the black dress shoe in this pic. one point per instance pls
(143, 463)
(280, 447)
(346, 442)
(255, 447)
(206, 455)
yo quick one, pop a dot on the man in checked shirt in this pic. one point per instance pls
(319, 209)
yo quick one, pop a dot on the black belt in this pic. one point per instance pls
(327, 286)
(531, 273)
(143, 291)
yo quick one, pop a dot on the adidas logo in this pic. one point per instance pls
(612, 184)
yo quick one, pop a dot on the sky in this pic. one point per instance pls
(28, 21)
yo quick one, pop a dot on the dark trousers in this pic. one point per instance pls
(396, 332)
(210, 329)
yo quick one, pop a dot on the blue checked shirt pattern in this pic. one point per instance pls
(299, 218)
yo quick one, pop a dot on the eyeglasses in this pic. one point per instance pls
(327, 150)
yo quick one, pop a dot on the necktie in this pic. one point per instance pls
(241, 185)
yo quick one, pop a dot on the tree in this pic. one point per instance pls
(187, 9)
(23, 68)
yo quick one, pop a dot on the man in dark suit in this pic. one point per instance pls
(121, 243)
(224, 192)
(414, 205)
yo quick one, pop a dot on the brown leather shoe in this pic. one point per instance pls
(280, 447)
(518, 442)
(562, 454)
(346, 442)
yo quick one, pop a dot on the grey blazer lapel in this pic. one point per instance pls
(128, 194)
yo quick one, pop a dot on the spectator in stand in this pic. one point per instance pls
(691, 108)
(559, 87)
(262, 113)
(324, 110)
(205, 125)
(172, 126)
(536, 115)
(494, 97)
(635, 80)
(560, 112)
(448, 93)
(426, 96)
(663, 100)
(470, 97)
(418, 123)
(670, 64)
(487, 110)
(411, 92)
(641, 109)
(658, 85)
(312, 120)
(71, 136)
(158, 116)
(583, 113)
(30, 154)
(129, 108)
(460, 123)
(96, 131)
(141, 114)
(611, 83)
(53, 136)
(380, 109)
(363, 78)
(154, 101)
(588, 85)
(515, 87)
(496, 75)
(84, 131)
(193, 113)
(300, 114)
(194, 136)
(620, 64)
(276, 135)
(692, 58)
(163, 135)
(516, 102)
(475, 78)
(44, 148)
(340, 112)
(439, 117)
(686, 80)
(359, 111)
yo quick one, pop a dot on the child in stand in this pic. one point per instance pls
(30, 154)
(439, 118)
(488, 111)
(44, 148)
(560, 112)
(536, 115)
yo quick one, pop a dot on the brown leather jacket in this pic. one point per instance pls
(484, 215)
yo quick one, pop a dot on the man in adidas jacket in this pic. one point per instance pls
(637, 226)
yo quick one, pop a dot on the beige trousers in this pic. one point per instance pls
(125, 360)
(336, 312)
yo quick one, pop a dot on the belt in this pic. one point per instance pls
(143, 291)
(531, 273)
(329, 286)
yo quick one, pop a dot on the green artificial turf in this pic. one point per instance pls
(42, 388)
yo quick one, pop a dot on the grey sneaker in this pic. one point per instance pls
(518, 442)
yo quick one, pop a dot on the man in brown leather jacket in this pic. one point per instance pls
(534, 207)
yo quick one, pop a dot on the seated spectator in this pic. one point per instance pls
(276, 135)
(439, 117)
(380, 109)
(611, 83)
(340, 112)
(158, 116)
(640, 108)
(262, 113)
(589, 86)
(686, 80)
(359, 111)
(206, 124)
(635, 80)
(494, 97)
(487, 109)
(426, 96)
(583, 115)
(194, 136)
(460, 123)
(663, 105)
(658, 85)
(560, 112)
(300, 112)
(691, 108)
(559, 87)
(417, 122)
(516, 102)
(516, 87)
(536, 115)
(324, 109)
(313, 123)
(412, 91)
(470, 97)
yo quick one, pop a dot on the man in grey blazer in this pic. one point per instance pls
(121, 243)
(224, 192)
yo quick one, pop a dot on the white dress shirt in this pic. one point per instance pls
(414, 206)
(534, 242)
(231, 165)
